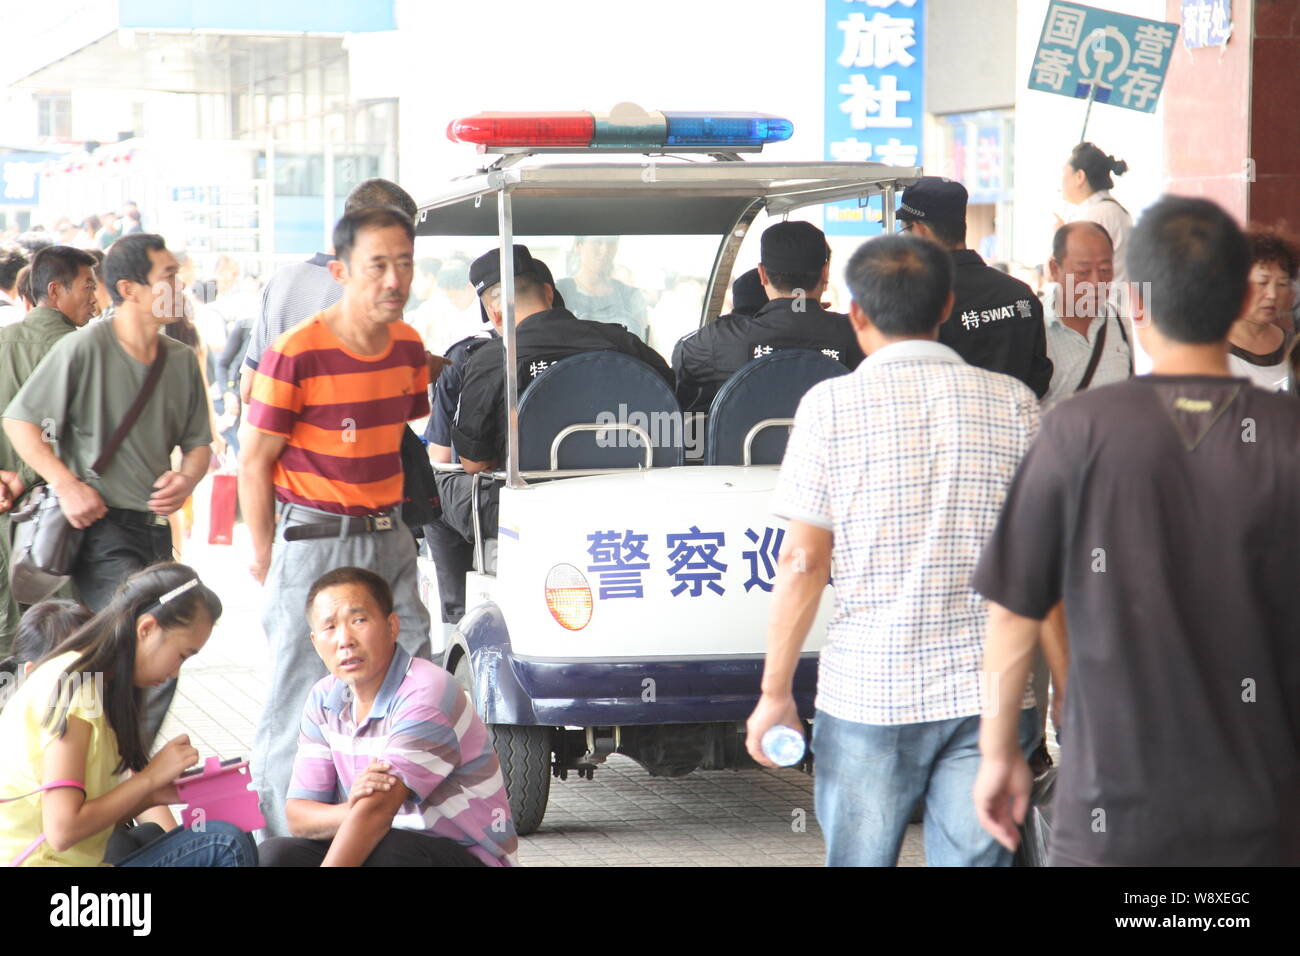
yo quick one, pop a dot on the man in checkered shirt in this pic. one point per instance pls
(895, 472)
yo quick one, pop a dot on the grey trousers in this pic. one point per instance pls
(456, 491)
(295, 666)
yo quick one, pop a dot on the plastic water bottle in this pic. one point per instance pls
(783, 745)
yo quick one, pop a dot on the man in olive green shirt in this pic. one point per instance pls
(64, 283)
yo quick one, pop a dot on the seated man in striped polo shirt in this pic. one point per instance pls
(394, 767)
(322, 451)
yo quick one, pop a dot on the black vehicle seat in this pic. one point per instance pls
(765, 388)
(598, 387)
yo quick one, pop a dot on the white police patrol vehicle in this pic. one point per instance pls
(626, 609)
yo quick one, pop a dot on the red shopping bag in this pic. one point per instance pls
(222, 527)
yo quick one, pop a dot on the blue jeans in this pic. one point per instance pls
(870, 776)
(218, 844)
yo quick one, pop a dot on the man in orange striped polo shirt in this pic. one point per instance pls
(322, 453)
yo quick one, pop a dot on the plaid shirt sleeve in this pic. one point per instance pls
(1031, 416)
(803, 489)
(314, 775)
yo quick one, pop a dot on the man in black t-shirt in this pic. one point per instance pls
(1163, 511)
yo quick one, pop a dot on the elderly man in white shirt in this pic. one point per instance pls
(898, 472)
(1081, 324)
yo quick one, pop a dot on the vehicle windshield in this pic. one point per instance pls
(654, 286)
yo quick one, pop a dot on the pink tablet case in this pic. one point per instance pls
(221, 793)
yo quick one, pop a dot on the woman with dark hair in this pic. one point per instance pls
(1274, 266)
(1086, 184)
(44, 627)
(1261, 340)
(74, 727)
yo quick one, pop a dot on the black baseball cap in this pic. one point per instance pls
(485, 272)
(793, 247)
(934, 198)
(747, 293)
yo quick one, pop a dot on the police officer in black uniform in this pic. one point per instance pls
(452, 552)
(453, 555)
(794, 269)
(996, 322)
(545, 332)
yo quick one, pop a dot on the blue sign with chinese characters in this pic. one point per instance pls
(1206, 23)
(875, 84)
(20, 177)
(1126, 57)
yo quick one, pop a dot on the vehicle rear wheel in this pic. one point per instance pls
(525, 757)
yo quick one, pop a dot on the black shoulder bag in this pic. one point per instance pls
(45, 544)
(421, 505)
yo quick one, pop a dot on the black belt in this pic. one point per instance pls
(340, 527)
(136, 519)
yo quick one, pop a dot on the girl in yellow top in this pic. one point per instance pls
(72, 730)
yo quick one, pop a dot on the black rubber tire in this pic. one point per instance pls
(525, 757)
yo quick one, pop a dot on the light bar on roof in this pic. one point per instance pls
(736, 129)
(625, 127)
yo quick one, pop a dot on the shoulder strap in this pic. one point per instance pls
(1095, 359)
(1117, 203)
(132, 413)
